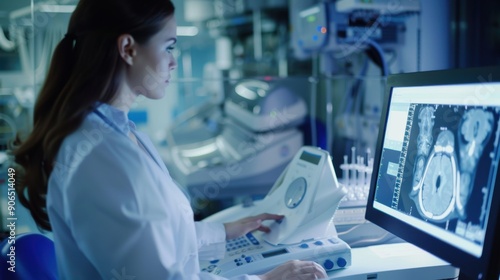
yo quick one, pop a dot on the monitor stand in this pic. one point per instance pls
(393, 262)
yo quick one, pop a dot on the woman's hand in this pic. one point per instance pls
(295, 270)
(243, 226)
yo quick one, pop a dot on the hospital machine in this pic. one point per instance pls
(307, 193)
(362, 33)
(257, 139)
(346, 39)
(434, 182)
(346, 27)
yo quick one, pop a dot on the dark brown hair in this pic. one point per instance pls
(84, 70)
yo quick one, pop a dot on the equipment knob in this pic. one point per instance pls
(341, 262)
(328, 264)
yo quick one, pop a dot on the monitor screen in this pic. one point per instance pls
(435, 181)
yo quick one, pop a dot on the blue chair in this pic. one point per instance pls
(35, 258)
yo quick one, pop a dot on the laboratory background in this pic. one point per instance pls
(256, 81)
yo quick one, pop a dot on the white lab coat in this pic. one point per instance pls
(115, 211)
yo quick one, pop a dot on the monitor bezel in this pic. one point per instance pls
(470, 267)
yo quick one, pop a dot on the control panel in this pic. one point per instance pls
(248, 255)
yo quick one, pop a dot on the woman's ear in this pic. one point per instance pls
(127, 48)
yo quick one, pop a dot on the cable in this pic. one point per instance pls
(351, 229)
(378, 48)
(329, 117)
(365, 241)
(370, 240)
(358, 107)
(5, 44)
(314, 89)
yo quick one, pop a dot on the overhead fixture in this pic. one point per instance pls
(42, 8)
(187, 30)
(47, 8)
(57, 8)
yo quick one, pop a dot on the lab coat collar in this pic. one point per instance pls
(118, 118)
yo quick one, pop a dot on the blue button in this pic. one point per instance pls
(254, 241)
(341, 262)
(214, 261)
(248, 259)
(328, 264)
(319, 243)
(304, 245)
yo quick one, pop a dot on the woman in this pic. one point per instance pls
(97, 182)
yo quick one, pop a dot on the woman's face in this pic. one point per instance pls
(150, 72)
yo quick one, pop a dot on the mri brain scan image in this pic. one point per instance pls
(438, 185)
(474, 132)
(424, 143)
(448, 143)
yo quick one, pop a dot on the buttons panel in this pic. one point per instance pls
(241, 242)
(247, 254)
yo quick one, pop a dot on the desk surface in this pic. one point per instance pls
(394, 261)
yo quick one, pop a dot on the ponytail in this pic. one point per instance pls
(35, 155)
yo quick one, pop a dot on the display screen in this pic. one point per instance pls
(274, 253)
(311, 158)
(439, 161)
(435, 179)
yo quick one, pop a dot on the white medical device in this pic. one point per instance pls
(307, 194)
(257, 139)
(263, 105)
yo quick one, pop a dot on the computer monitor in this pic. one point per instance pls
(435, 177)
